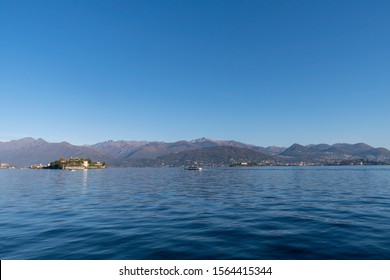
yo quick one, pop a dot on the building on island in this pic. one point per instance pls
(75, 163)
(6, 166)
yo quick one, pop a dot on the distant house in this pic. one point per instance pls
(6, 166)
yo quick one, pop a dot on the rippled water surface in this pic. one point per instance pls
(217, 213)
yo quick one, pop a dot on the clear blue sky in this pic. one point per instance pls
(265, 72)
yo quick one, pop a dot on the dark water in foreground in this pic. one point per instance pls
(230, 213)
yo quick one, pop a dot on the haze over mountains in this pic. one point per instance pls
(30, 151)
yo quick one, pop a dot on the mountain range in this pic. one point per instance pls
(29, 151)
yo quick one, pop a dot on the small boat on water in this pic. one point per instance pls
(194, 167)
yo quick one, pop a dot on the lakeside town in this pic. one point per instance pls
(76, 163)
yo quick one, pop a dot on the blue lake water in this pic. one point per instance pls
(217, 213)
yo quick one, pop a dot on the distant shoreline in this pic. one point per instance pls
(204, 151)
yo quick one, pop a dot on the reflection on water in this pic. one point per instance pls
(85, 181)
(221, 213)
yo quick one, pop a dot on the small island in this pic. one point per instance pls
(75, 163)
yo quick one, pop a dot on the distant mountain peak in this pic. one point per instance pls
(40, 140)
(296, 145)
(201, 140)
(24, 140)
(363, 145)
